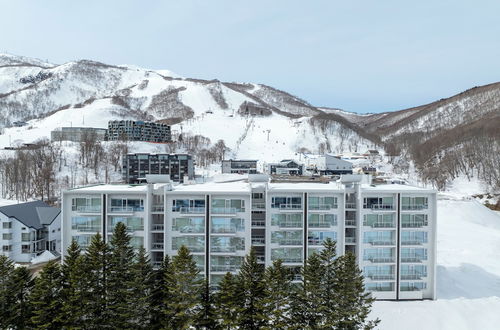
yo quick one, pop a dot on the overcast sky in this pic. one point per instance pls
(364, 56)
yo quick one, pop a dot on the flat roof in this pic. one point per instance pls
(305, 186)
(395, 188)
(213, 187)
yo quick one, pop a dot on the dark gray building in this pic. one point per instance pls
(239, 166)
(77, 134)
(136, 166)
(138, 131)
(286, 167)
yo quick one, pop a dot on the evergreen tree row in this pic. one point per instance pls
(113, 287)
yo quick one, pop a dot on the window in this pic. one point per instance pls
(226, 244)
(380, 286)
(413, 237)
(414, 220)
(379, 255)
(413, 286)
(322, 220)
(7, 248)
(193, 243)
(83, 240)
(25, 237)
(7, 236)
(227, 225)
(284, 220)
(87, 224)
(318, 237)
(257, 195)
(83, 204)
(379, 220)
(132, 223)
(188, 205)
(127, 205)
(7, 225)
(189, 225)
(286, 202)
(378, 237)
(287, 237)
(287, 254)
(228, 205)
(322, 203)
(414, 203)
(25, 249)
(385, 203)
(413, 254)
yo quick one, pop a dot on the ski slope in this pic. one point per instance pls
(468, 275)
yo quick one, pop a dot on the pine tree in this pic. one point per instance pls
(227, 302)
(305, 304)
(278, 284)
(142, 287)
(251, 290)
(95, 299)
(205, 317)
(46, 298)
(328, 297)
(184, 288)
(159, 292)
(6, 269)
(354, 304)
(120, 278)
(20, 285)
(74, 288)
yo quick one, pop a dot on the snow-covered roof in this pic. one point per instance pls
(395, 188)
(214, 187)
(305, 187)
(31, 214)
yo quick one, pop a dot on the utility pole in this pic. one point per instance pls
(268, 131)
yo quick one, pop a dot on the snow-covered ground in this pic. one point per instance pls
(468, 274)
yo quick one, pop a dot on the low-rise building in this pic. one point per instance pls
(78, 134)
(29, 229)
(286, 167)
(130, 130)
(390, 228)
(239, 166)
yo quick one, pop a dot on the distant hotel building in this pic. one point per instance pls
(390, 228)
(136, 166)
(77, 134)
(239, 166)
(138, 131)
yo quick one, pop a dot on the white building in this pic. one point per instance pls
(390, 228)
(29, 229)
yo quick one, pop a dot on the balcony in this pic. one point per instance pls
(413, 207)
(258, 240)
(157, 208)
(157, 227)
(129, 228)
(351, 223)
(216, 249)
(290, 224)
(157, 246)
(377, 260)
(290, 207)
(315, 241)
(261, 259)
(224, 229)
(224, 268)
(322, 224)
(125, 209)
(381, 289)
(380, 207)
(350, 205)
(411, 258)
(350, 240)
(381, 277)
(381, 224)
(88, 209)
(85, 229)
(321, 207)
(412, 242)
(412, 276)
(381, 242)
(289, 259)
(225, 210)
(192, 210)
(290, 241)
(413, 224)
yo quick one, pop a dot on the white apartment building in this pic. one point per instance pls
(29, 229)
(390, 228)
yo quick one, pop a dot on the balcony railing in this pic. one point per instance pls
(192, 210)
(129, 228)
(350, 222)
(258, 240)
(350, 239)
(411, 258)
(191, 248)
(189, 229)
(124, 209)
(413, 207)
(224, 229)
(297, 277)
(290, 224)
(290, 206)
(381, 242)
(157, 246)
(381, 289)
(350, 205)
(89, 209)
(380, 207)
(321, 207)
(86, 228)
(261, 259)
(410, 288)
(155, 227)
(380, 277)
(412, 276)
(322, 224)
(224, 268)
(223, 248)
(376, 259)
(315, 241)
(289, 259)
(290, 241)
(412, 242)
(225, 210)
(258, 206)
(382, 224)
(413, 224)
(157, 208)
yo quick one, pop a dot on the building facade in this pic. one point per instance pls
(239, 166)
(390, 228)
(135, 167)
(286, 167)
(78, 134)
(29, 229)
(130, 130)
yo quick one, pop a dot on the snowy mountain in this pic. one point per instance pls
(246, 116)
